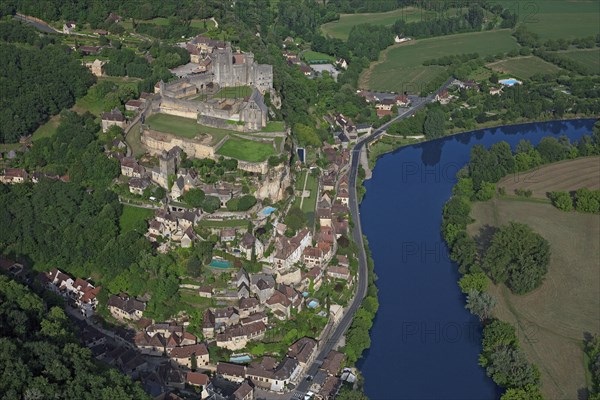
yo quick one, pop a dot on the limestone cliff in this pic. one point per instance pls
(276, 180)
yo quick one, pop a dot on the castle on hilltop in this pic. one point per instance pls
(219, 67)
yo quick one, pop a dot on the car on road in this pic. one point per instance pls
(308, 395)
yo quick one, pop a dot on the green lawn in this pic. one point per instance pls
(524, 67)
(312, 57)
(134, 141)
(246, 149)
(400, 67)
(555, 19)
(131, 217)
(201, 23)
(187, 127)
(274, 126)
(234, 92)
(233, 223)
(46, 130)
(589, 58)
(310, 203)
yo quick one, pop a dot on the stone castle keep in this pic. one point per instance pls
(219, 67)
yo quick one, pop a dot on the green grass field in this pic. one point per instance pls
(46, 130)
(524, 67)
(555, 19)
(232, 223)
(341, 29)
(132, 216)
(274, 126)
(310, 203)
(202, 24)
(246, 149)
(551, 320)
(312, 57)
(400, 67)
(179, 126)
(589, 58)
(234, 92)
(134, 140)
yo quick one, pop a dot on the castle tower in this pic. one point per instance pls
(167, 164)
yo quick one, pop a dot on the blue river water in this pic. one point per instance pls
(424, 343)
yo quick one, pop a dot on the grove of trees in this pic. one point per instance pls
(41, 359)
(37, 82)
(517, 256)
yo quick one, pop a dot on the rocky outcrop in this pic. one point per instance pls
(277, 179)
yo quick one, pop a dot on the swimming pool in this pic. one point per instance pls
(220, 263)
(509, 82)
(313, 304)
(240, 359)
(268, 211)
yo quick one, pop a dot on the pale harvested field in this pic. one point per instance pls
(566, 176)
(552, 319)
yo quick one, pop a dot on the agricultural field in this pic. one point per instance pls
(132, 216)
(341, 29)
(523, 67)
(551, 321)
(590, 58)
(246, 149)
(564, 176)
(400, 67)
(314, 57)
(556, 19)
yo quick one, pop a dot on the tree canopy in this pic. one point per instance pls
(517, 256)
(36, 84)
(40, 358)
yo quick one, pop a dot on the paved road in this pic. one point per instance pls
(361, 291)
(42, 27)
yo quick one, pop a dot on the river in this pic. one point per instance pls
(424, 343)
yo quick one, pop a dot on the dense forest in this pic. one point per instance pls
(38, 80)
(41, 359)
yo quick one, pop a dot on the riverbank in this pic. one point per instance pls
(387, 144)
(423, 339)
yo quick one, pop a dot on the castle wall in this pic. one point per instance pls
(156, 142)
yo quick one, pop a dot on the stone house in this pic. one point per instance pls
(263, 286)
(342, 273)
(184, 355)
(13, 175)
(289, 251)
(313, 257)
(237, 337)
(131, 168)
(138, 185)
(114, 117)
(248, 305)
(123, 307)
(248, 244)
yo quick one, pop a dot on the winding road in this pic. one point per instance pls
(361, 291)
